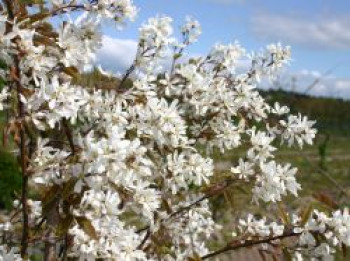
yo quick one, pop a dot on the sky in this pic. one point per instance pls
(317, 30)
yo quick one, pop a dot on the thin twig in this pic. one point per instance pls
(248, 243)
(22, 143)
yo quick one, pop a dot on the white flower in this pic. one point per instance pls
(3, 96)
(244, 170)
(275, 181)
(227, 55)
(260, 227)
(261, 146)
(9, 254)
(119, 10)
(299, 129)
(191, 30)
(280, 110)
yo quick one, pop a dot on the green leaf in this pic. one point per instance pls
(65, 225)
(71, 71)
(3, 64)
(177, 56)
(284, 215)
(195, 257)
(68, 188)
(306, 213)
(286, 254)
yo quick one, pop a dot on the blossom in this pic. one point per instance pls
(299, 129)
(227, 55)
(274, 181)
(9, 254)
(191, 30)
(3, 96)
(260, 227)
(118, 10)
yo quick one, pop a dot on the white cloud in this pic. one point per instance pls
(321, 32)
(116, 54)
(313, 83)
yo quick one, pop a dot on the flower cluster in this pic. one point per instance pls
(315, 237)
(253, 227)
(333, 229)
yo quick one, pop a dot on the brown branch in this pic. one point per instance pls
(248, 243)
(15, 75)
(69, 135)
(126, 75)
(63, 9)
(144, 240)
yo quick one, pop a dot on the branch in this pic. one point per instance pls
(248, 243)
(126, 75)
(69, 135)
(22, 143)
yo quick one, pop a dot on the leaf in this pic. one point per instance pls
(31, 2)
(86, 225)
(192, 61)
(306, 213)
(71, 71)
(38, 17)
(68, 188)
(344, 250)
(326, 199)
(3, 64)
(64, 225)
(177, 56)
(166, 205)
(195, 257)
(49, 199)
(284, 215)
(286, 254)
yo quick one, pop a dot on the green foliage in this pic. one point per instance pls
(95, 79)
(10, 179)
(322, 151)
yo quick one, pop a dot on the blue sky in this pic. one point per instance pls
(318, 31)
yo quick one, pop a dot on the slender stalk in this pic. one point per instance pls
(22, 142)
(126, 75)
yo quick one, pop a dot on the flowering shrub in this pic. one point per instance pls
(121, 174)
